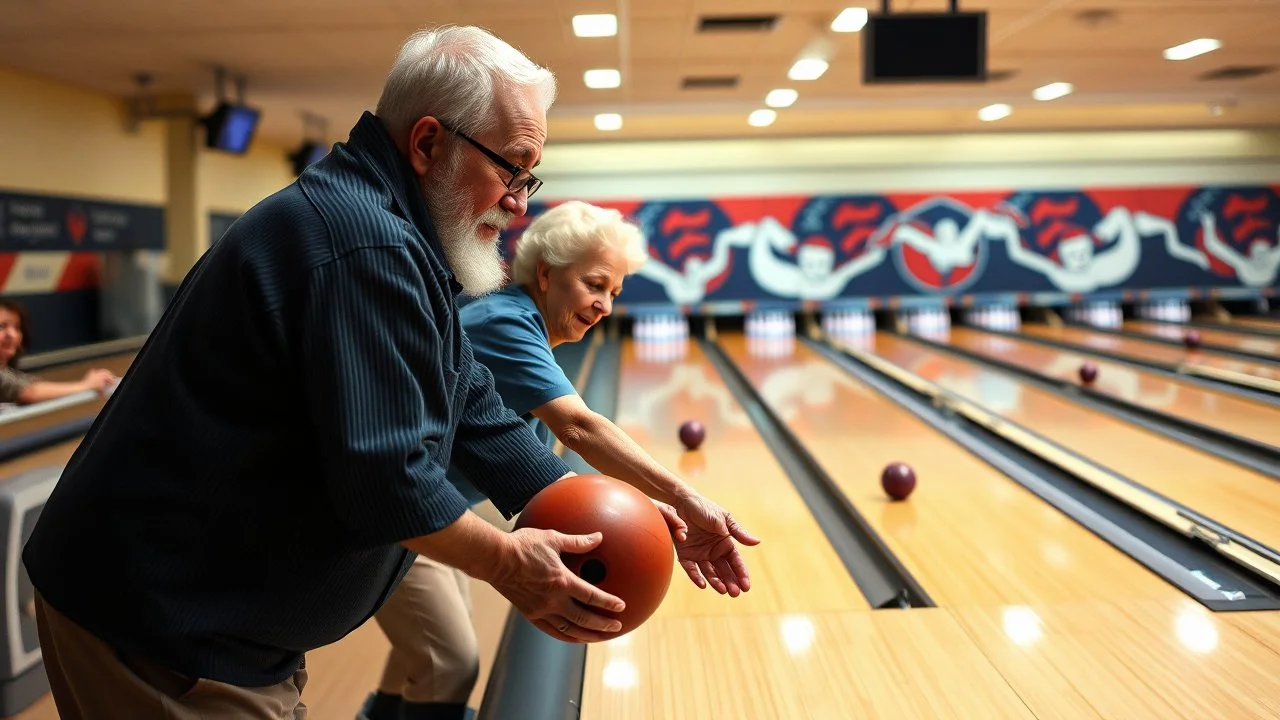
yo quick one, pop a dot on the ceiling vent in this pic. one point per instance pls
(715, 82)
(737, 23)
(1238, 72)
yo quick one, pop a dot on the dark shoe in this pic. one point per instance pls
(376, 707)
(436, 711)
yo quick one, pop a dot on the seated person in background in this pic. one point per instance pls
(23, 389)
(569, 266)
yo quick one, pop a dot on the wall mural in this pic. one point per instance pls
(835, 247)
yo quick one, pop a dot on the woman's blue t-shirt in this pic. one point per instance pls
(509, 336)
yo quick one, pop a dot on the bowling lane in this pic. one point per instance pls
(794, 569)
(1223, 338)
(1150, 351)
(969, 534)
(1125, 382)
(1234, 496)
(787, 648)
(1134, 660)
(1260, 323)
(913, 665)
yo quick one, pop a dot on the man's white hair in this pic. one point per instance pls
(455, 74)
(562, 235)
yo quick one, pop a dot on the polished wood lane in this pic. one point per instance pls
(708, 655)
(1150, 351)
(1227, 412)
(1222, 338)
(1261, 323)
(969, 534)
(1234, 496)
(893, 664)
(1263, 626)
(1140, 660)
(794, 569)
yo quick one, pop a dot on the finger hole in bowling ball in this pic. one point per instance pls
(593, 571)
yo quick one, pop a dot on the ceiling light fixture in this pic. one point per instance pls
(994, 112)
(781, 97)
(762, 117)
(850, 20)
(602, 78)
(1194, 48)
(807, 69)
(608, 121)
(1052, 91)
(595, 25)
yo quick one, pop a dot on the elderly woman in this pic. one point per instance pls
(568, 269)
(20, 388)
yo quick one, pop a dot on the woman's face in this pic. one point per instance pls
(580, 295)
(10, 335)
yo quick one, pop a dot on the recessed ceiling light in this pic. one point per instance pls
(762, 117)
(1052, 91)
(994, 112)
(807, 69)
(1188, 50)
(850, 20)
(608, 121)
(781, 97)
(602, 78)
(595, 25)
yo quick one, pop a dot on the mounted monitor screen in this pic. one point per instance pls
(925, 48)
(307, 155)
(230, 128)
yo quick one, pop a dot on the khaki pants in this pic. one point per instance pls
(434, 657)
(90, 681)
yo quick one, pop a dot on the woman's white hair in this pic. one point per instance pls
(454, 74)
(562, 235)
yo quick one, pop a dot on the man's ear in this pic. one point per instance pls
(426, 144)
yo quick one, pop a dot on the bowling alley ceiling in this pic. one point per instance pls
(679, 79)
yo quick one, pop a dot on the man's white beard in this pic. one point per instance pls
(475, 262)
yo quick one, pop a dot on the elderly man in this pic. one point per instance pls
(262, 479)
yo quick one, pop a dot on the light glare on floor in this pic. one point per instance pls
(1022, 625)
(1195, 631)
(602, 78)
(1188, 50)
(595, 25)
(797, 634)
(620, 675)
(761, 118)
(608, 121)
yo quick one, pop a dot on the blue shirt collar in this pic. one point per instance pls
(370, 141)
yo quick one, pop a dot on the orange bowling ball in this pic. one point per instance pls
(635, 558)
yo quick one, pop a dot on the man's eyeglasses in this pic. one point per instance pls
(520, 178)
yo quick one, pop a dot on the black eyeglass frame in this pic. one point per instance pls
(531, 185)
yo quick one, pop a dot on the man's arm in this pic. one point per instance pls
(375, 385)
(495, 449)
